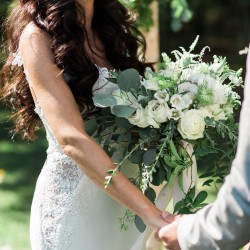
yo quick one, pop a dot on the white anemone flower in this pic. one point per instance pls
(176, 114)
(162, 96)
(187, 100)
(177, 102)
(188, 87)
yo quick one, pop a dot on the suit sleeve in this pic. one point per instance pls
(226, 223)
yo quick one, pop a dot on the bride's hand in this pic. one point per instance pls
(154, 219)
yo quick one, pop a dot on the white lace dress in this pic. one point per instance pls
(68, 211)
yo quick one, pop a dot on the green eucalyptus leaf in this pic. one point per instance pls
(90, 126)
(140, 224)
(122, 122)
(102, 100)
(159, 176)
(129, 80)
(200, 197)
(113, 80)
(150, 194)
(123, 111)
(144, 132)
(137, 156)
(149, 156)
(205, 151)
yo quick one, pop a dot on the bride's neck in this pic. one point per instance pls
(88, 6)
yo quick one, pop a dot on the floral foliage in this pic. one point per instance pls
(187, 99)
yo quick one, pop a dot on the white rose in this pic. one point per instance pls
(162, 96)
(177, 102)
(125, 98)
(157, 112)
(192, 125)
(139, 118)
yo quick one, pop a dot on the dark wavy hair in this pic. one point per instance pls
(62, 20)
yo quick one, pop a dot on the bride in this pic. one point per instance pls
(60, 53)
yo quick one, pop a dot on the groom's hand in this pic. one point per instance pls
(168, 233)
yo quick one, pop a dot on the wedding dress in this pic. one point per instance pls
(69, 212)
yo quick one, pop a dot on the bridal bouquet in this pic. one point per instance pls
(186, 100)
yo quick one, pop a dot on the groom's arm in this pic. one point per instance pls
(226, 223)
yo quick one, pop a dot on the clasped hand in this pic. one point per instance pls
(168, 233)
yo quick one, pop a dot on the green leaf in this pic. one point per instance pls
(149, 156)
(103, 100)
(178, 206)
(191, 192)
(178, 169)
(144, 132)
(180, 182)
(113, 80)
(129, 80)
(207, 183)
(173, 150)
(90, 126)
(205, 175)
(122, 122)
(204, 151)
(171, 179)
(137, 156)
(169, 162)
(140, 224)
(201, 196)
(150, 194)
(184, 210)
(159, 176)
(123, 111)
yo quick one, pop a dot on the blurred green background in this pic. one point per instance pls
(224, 25)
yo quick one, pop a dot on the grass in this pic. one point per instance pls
(21, 162)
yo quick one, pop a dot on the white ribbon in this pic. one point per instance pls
(167, 193)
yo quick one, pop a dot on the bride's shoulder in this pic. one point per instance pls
(32, 37)
(34, 41)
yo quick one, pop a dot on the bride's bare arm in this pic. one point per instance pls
(64, 118)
